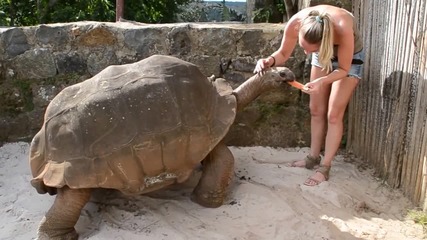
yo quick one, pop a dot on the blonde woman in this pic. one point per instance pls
(329, 34)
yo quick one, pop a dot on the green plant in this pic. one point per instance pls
(418, 217)
(281, 7)
(268, 110)
(33, 12)
(193, 12)
(270, 11)
(262, 15)
(149, 11)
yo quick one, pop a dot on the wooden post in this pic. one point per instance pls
(119, 9)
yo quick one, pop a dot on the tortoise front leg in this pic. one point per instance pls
(59, 221)
(217, 172)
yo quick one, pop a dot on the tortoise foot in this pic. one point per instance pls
(210, 200)
(68, 236)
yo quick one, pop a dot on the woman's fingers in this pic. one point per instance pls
(260, 66)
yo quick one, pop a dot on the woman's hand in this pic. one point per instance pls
(314, 86)
(262, 65)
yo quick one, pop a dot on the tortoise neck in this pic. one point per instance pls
(249, 91)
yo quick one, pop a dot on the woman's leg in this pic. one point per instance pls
(340, 94)
(318, 111)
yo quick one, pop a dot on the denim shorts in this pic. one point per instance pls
(356, 69)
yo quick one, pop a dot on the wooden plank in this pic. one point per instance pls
(417, 148)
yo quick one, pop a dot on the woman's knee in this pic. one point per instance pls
(317, 110)
(335, 117)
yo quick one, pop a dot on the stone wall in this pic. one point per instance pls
(38, 62)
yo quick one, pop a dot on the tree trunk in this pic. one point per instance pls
(291, 7)
(12, 13)
(119, 9)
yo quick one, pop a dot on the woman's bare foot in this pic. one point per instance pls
(309, 162)
(299, 163)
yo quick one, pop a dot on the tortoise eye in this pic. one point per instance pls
(287, 74)
(282, 74)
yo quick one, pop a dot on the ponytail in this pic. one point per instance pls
(316, 28)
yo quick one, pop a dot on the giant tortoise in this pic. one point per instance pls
(137, 128)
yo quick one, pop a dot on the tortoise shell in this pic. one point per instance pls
(134, 127)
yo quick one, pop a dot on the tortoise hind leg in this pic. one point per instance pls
(59, 221)
(217, 172)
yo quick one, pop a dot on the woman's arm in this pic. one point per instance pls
(289, 40)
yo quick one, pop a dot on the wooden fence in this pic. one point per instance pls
(388, 113)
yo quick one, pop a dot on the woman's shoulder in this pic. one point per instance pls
(341, 18)
(332, 11)
(294, 22)
(343, 21)
(326, 8)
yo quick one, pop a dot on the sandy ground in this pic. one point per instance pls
(267, 200)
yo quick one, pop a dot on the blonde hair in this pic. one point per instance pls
(317, 28)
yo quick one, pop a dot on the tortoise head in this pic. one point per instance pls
(262, 82)
(276, 77)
